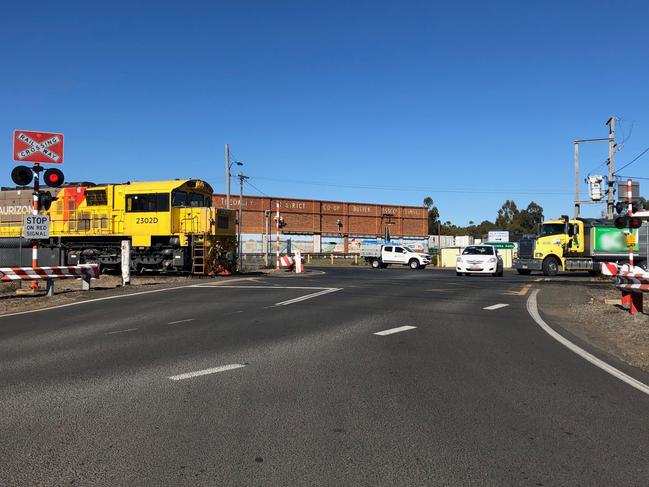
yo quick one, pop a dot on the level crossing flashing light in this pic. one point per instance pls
(44, 200)
(22, 175)
(53, 178)
(628, 222)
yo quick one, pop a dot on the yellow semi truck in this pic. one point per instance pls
(579, 244)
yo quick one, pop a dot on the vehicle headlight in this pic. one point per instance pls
(459, 260)
(538, 254)
(493, 259)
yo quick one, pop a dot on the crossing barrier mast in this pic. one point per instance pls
(37, 147)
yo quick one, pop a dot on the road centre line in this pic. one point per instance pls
(198, 373)
(495, 306)
(395, 330)
(181, 321)
(533, 310)
(120, 331)
(524, 290)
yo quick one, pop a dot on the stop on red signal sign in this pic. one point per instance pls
(41, 147)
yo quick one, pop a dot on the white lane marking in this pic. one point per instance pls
(308, 296)
(181, 321)
(496, 306)
(533, 310)
(258, 287)
(213, 370)
(77, 303)
(395, 330)
(120, 331)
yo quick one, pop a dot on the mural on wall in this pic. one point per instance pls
(252, 243)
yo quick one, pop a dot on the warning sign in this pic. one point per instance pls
(42, 147)
(36, 227)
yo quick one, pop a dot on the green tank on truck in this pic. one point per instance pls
(579, 244)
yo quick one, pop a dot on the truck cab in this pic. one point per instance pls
(579, 244)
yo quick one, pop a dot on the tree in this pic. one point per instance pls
(529, 219)
(644, 203)
(433, 215)
(506, 215)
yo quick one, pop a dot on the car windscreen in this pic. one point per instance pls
(478, 251)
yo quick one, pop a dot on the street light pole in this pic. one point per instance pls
(227, 175)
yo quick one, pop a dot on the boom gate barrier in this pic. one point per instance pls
(85, 272)
(632, 281)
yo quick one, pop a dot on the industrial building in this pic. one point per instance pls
(325, 226)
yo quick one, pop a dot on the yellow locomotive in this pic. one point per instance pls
(172, 225)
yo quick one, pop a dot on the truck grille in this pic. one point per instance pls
(526, 248)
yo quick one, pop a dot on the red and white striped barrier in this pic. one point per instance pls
(286, 261)
(85, 272)
(632, 281)
(609, 269)
(82, 271)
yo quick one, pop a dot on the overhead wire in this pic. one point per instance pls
(255, 188)
(411, 188)
(633, 160)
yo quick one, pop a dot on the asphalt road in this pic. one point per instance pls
(249, 385)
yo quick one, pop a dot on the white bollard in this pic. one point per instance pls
(298, 262)
(126, 262)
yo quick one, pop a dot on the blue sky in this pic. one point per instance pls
(470, 103)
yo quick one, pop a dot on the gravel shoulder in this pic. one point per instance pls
(582, 310)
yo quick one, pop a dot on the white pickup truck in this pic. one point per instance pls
(381, 256)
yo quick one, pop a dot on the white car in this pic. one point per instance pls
(479, 259)
(381, 256)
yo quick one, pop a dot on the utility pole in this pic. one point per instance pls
(227, 175)
(242, 178)
(577, 203)
(610, 140)
(611, 151)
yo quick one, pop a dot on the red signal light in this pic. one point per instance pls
(635, 222)
(53, 178)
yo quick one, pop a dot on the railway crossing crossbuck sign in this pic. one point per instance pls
(38, 147)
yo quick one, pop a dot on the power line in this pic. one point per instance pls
(633, 160)
(256, 188)
(410, 188)
(596, 168)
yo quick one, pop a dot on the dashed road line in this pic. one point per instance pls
(198, 373)
(495, 306)
(395, 330)
(181, 321)
(308, 296)
(120, 331)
